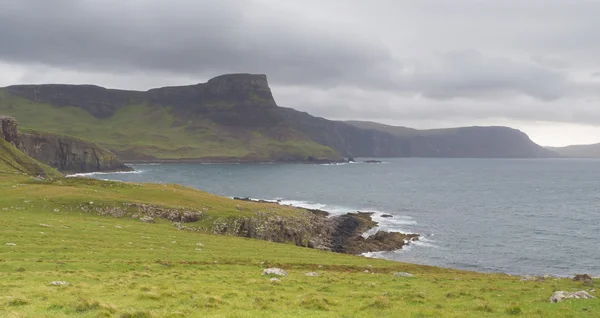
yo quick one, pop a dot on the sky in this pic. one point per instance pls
(528, 64)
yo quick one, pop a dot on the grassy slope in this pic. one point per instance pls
(13, 161)
(125, 268)
(151, 132)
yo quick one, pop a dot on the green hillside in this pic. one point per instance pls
(121, 267)
(153, 128)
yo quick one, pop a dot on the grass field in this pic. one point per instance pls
(121, 267)
(153, 132)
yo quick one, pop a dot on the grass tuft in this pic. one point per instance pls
(17, 302)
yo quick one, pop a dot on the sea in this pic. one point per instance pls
(514, 216)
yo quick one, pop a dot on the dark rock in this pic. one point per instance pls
(387, 216)
(70, 155)
(9, 131)
(351, 159)
(372, 161)
(585, 278)
(582, 277)
(66, 154)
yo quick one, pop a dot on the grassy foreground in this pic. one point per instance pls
(121, 267)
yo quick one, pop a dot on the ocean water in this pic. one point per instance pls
(495, 215)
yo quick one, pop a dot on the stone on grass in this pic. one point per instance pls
(526, 278)
(147, 219)
(311, 274)
(403, 274)
(59, 283)
(10, 244)
(582, 277)
(274, 271)
(559, 296)
(275, 280)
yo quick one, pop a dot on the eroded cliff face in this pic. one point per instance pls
(67, 154)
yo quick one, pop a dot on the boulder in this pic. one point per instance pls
(59, 283)
(582, 277)
(402, 274)
(274, 271)
(387, 216)
(525, 278)
(313, 274)
(560, 296)
(147, 219)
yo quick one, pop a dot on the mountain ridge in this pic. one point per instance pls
(234, 118)
(578, 151)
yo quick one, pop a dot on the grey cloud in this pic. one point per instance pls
(473, 74)
(190, 37)
(384, 59)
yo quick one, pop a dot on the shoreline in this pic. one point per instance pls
(233, 161)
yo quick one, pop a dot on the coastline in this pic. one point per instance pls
(224, 160)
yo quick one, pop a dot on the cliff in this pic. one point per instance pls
(234, 118)
(578, 151)
(67, 154)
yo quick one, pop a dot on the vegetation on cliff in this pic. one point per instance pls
(67, 154)
(234, 118)
(13, 161)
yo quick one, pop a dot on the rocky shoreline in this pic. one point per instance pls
(340, 233)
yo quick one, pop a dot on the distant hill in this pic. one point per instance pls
(476, 142)
(234, 118)
(578, 151)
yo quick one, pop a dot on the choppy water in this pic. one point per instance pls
(514, 216)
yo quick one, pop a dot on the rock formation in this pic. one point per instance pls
(8, 131)
(315, 229)
(67, 154)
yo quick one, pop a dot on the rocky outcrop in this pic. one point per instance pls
(315, 229)
(69, 155)
(9, 131)
(66, 154)
(560, 296)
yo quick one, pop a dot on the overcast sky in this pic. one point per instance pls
(529, 64)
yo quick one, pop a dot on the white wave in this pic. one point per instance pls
(89, 174)
(373, 254)
(424, 242)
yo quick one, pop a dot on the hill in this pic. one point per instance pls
(229, 118)
(67, 250)
(233, 118)
(578, 151)
(475, 142)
